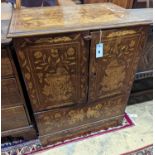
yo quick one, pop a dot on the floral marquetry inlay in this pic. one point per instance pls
(114, 76)
(55, 72)
(72, 91)
(66, 118)
(121, 33)
(58, 87)
(114, 72)
(53, 69)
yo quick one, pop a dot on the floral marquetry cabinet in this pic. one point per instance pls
(72, 91)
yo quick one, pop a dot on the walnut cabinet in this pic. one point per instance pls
(72, 92)
(70, 88)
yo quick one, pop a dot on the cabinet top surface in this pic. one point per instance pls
(60, 19)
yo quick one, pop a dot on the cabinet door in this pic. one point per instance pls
(114, 73)
(55, 69)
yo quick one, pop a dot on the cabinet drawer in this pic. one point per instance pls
(81, 131)
(14, 117)
(54, 121)
(6, 65)
(10, 93)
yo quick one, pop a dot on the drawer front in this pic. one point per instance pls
(14, 117)
(6, 66)
(66, 118)
(10, 93)
(82, 131)
(55, 70)
(114, 73)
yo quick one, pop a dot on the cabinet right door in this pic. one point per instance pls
(113, 74)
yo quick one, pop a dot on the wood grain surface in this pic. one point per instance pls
(55, 69)
(6, 67)
(14, 117)
(98, 88)
(54, 121)
(71, 91)
(80, 130)
(48, 20)
(10, 93)
(114, 72)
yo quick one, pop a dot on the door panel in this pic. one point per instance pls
(55, 70)
(114, 73)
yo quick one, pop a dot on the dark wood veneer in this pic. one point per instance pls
(71, 91)
(15, 117)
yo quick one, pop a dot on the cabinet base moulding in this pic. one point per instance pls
(83, 130)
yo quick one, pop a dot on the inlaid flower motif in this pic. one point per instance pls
(115, 75)
(37, 54)
(54, 53)
(132, 43)
(58, 87)
(70, 51)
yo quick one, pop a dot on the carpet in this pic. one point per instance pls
(21, 147)
(147, 150)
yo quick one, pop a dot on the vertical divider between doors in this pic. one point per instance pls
(89, 61)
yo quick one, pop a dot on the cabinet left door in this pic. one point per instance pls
(55, 69)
